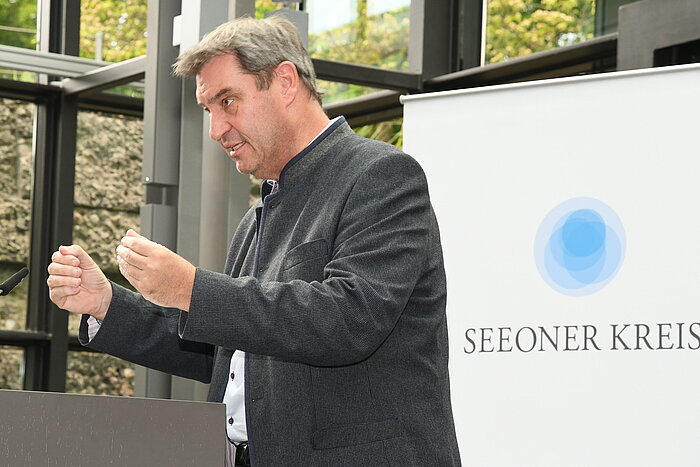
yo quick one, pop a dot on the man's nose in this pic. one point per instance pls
(217, 127)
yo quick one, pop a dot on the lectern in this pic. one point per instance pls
(51, 429)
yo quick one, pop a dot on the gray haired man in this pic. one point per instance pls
(325, 336)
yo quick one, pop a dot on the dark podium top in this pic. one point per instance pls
(52, 429)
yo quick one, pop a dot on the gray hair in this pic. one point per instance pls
(259, 44)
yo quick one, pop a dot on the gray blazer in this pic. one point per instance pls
(335, 289)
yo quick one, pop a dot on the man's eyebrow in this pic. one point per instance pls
(219, 95)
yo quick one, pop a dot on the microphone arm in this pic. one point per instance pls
(12, 282)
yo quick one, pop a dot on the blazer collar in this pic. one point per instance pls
(308, 156)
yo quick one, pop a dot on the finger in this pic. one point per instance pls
(133, 233)
(58, 257)
(75, 250)
(140, 245)
(130, 272)
(58, 269)
(130, 257)
(63, 281)
(138, 240)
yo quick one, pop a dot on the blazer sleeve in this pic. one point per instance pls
(138, 331)
(378, 253)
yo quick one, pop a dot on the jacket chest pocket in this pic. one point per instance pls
(305, 261)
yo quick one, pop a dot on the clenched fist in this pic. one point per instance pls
(161, 276)
(77, 284)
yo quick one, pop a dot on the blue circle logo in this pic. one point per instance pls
(580, 246)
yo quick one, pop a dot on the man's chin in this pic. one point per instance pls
(247, 170)
(242, 169)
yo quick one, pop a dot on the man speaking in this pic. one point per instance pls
(326, 335)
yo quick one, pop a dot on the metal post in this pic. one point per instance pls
(647, 26)
(432, 48)
(212, 196)
(188, 179)
(470, 33)
(160, 155)
(52, 207)
(99, 45)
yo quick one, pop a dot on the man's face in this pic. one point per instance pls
(245, 121)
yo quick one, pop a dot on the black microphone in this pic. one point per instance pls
(12, 282)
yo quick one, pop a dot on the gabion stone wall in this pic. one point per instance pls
(16, 122)
(91, 373)
(108, 194)
(108, 189)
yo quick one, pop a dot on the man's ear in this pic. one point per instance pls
(286, 73)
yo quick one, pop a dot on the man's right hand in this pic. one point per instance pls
(77, 284)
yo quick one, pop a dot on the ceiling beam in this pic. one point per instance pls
(366, 75)
(106, 77)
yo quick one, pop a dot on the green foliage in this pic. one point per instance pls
(379, 40)
(374, 40)
(334, 91)
(263, 7)
(18, 23)
(123, 23)
(518, 27)
(390, 131)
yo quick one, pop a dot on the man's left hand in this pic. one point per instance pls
(161, 276)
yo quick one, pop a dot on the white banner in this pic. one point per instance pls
(571, 233)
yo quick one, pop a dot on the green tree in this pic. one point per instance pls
(263, 7)
(375, 40)
(521, 27)
(362, 20)
(123, 24)
(18, 23)
(390, 131)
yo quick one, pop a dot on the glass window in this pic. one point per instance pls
(264, 7)
(11, 367)
(18, 21)
(365, 32)
(335, 92)
(16, 160)
(606, 15)
(18, 28)
(135, 89)
(18, 75)
(93, 373)
(515, 28)
(108, 189)
(390, 131)
(113, 31)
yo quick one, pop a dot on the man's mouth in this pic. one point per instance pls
(233, 149)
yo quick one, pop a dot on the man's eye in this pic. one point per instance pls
(227, 102)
